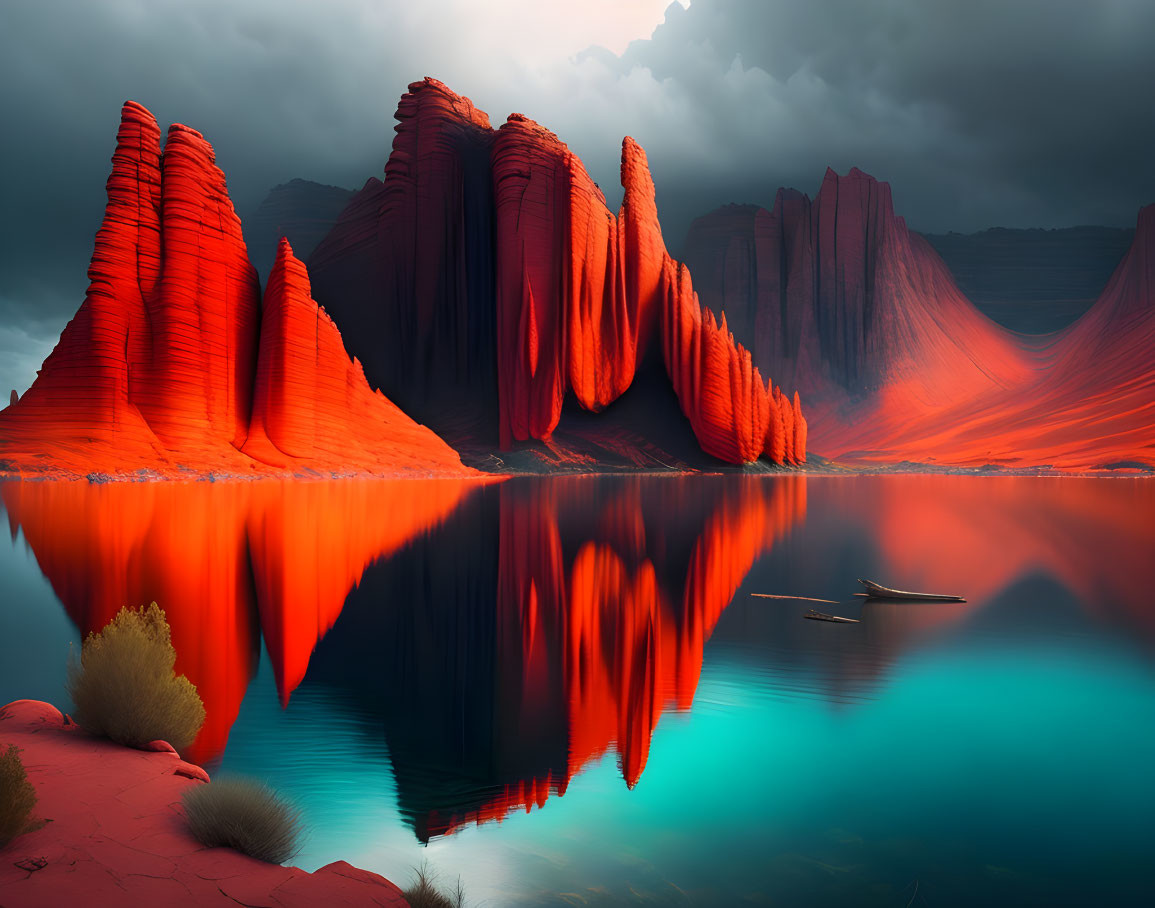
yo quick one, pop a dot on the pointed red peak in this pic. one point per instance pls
(133, 112)
(1145, 226)
(437, 94)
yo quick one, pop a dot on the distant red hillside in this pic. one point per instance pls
(839, 298)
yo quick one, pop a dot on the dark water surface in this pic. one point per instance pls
(562, 690)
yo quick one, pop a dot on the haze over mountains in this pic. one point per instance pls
(1031, 280)
(838, 297)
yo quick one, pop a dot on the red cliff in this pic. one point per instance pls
(156, 372)
(407, 271)
(313, 408)
(485, 280)
(838, 297)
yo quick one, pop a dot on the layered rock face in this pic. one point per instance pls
(312, 406)
(407, 271)
(485, 280)
(157, 369)
(838, 297)
(156, 366)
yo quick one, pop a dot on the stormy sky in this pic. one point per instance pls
(978, 112)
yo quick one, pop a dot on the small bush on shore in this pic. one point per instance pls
(124, 686)
(423, 893)
(245, 815)
(17, 797)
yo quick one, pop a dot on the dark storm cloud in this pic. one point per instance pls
(978, 113)
(1025, 113)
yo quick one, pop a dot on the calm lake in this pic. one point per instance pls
(562, 690)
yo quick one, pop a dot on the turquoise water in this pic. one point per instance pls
(993, 753)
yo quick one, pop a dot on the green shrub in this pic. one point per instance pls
(245, 815)
(124, 687)
(17, 797)
(423, 893)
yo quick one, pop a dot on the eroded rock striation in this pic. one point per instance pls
(485, 282)
(157, 371)
(312, 406)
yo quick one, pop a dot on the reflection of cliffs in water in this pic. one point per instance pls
(227, 562)
(1038, 558)
(547, 624)
(503, 638)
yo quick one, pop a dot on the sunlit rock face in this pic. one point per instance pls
(158, 368)
(485, 281)
(840, 299)
(312, 406)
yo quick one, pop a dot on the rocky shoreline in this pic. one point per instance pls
(115, 833)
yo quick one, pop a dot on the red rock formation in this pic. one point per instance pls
(313, 408)
(838, 297)
(192, 369)
(157, 369)
(116, 835)
(79, 406)
(407, 272)
(571, 296)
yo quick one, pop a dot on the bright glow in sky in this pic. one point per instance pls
(544, 31)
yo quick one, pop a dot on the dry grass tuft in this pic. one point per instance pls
(423, 893)
(124, 686)
(245, 815)
(17, 797)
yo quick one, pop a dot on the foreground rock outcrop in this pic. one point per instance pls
(158, 369)
(117, 833)
(840, 299)
(485, 281)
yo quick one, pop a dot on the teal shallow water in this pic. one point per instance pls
(993, 753)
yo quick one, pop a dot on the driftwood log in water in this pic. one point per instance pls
(820, 616)
(877, 591)
(793, 598)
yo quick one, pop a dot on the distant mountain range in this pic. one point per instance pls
(838, 298)
(1033, 281)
